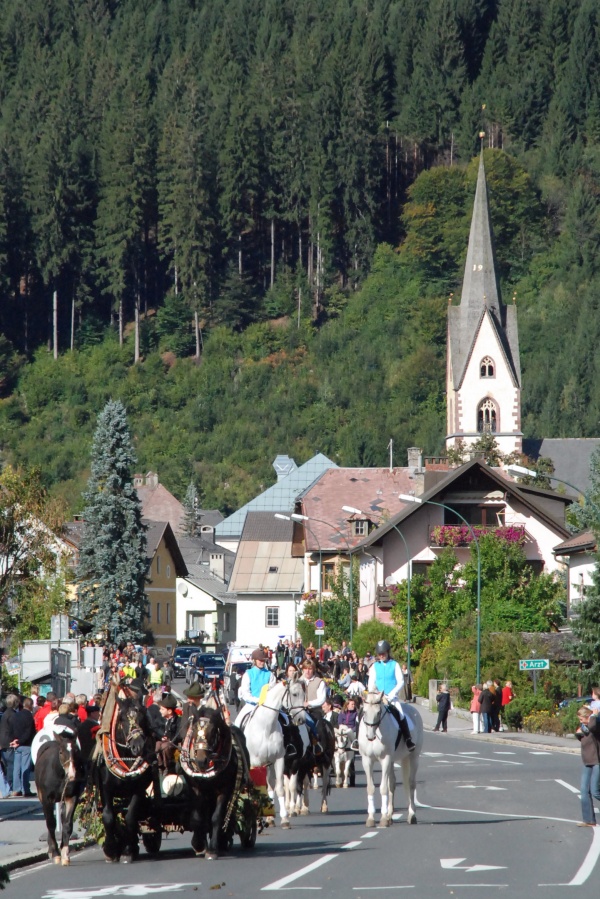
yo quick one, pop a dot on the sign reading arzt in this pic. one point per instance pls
(533, 664)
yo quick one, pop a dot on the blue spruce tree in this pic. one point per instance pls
(112, 560)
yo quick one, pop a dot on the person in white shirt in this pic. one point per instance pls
(385, 676)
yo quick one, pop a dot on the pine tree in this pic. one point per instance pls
(112, 561)
(587, 515)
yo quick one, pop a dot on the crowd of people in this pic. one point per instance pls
(487, 705)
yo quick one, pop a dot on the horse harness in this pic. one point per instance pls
(116, 762)
(217, 762)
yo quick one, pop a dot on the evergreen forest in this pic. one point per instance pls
(244, 219)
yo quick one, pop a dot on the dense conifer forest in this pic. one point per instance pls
(250, 216)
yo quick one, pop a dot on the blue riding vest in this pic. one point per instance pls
(385, 675)
(258, 678)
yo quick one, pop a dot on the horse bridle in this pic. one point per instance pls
(383, 711)
(216, 762)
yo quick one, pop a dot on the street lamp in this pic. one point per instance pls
(354, 511)
(296, 517)
(408, 498)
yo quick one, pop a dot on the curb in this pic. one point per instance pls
(41, 855)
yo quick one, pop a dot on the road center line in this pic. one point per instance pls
(369, 834)
(283, 882)
(351, 845)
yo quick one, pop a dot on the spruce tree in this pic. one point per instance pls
(190, 504)
(586, 629)
(112, 561)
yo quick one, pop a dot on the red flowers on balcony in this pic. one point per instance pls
(460, 535)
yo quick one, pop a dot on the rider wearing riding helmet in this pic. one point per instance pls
(385, 676)
(253, 682)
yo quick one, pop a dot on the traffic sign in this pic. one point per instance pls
(319, 631)
(319, 624)
(533, 664)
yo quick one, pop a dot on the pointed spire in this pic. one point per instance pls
(480, 287)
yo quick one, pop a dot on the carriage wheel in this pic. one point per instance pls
(249, 827)
(152, 842)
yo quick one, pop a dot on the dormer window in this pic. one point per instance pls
(487, 368)
(487, 417)
(360, 527)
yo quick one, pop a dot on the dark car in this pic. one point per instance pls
(204, 664)
(181, 657)
(580, 700)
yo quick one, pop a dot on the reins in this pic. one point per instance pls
(116, 762)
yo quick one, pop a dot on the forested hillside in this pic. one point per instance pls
(252, 214)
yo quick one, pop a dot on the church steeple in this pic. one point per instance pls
(483, 372)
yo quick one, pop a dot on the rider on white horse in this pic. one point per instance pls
(316, 694)
(252, 683)
(385, 676)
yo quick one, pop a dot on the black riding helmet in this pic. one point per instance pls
(382, 646)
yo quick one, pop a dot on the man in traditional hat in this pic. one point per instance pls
(166, 733)
(252, 683)
(195, 696)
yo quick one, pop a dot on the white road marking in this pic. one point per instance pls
(455, 865)
(467, 886)
(478, 787)
(536, 752)
(503, 752)
(563, 783)
(137, 889)
(397, 887)
(397, 816)
(587, 866)
(481, 758)
(469, 753)
(283, 881)
(352, 845)
(369, 834)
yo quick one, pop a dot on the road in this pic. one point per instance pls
(491, 818)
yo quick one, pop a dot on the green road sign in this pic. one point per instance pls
(533, 664)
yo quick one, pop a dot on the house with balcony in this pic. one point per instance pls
(411, 538)
(206, 610)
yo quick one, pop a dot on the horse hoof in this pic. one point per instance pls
(304, 811)
(370, 822)
(346, 786)
(110, 861)
(385, 822)
(200, 853)
(65, 862)
(412, 820)
(56, 859)
(324, 808)
(285, 825)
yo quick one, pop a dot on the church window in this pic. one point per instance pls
(487, 417)
(486, 367)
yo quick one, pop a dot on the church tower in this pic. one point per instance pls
(483, 380)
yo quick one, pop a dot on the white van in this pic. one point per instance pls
(239, 655)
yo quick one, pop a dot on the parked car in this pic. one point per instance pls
(204, 664)
(236, 670)
(180, 659)
(580, 700)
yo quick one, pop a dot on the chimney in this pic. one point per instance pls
(415, 459)
(217, 565)
(152, 480)
(283, 466)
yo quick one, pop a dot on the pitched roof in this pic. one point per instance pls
(156, 531)
(264, 562)
(585, 540)
(571, 457)
(372, 490)
(480, 293)
(466, 472)
(204, 579)
(160, 505)
(196, 552)
(281, 496)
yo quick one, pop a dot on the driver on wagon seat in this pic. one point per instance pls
(385, 676)
(252, 683)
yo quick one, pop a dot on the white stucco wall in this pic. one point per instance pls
(580, 570)
(251, 619)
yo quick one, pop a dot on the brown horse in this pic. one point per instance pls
(215, 764)
(59, 777)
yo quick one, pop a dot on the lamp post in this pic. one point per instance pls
(355, 511)
(407, 498)
(295, 517)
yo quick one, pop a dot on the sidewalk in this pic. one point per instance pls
(460, 724)
(22, 822)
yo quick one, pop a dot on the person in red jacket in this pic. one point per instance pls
(41, 713)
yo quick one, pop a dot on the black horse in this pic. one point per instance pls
(59, 777)
(215, 764)
(123, 772)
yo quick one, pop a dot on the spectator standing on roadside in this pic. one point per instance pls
(475, 708)
(497, 707)
(41, 713)
(7, 752)
(507, 697)
(406, 691)
(22, 731)
(486, 704)
(588, 733)
(444, 704)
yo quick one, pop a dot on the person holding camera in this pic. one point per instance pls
(588, 734)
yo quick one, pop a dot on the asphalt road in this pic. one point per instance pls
(491, 818)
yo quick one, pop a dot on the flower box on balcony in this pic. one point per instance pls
(461, 535)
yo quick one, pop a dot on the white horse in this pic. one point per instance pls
(344, 755)
(264, 739)
(377, 736)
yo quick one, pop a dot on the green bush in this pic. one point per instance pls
(370, 632)
(515, 713)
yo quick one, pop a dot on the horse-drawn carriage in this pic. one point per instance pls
(207, 790)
